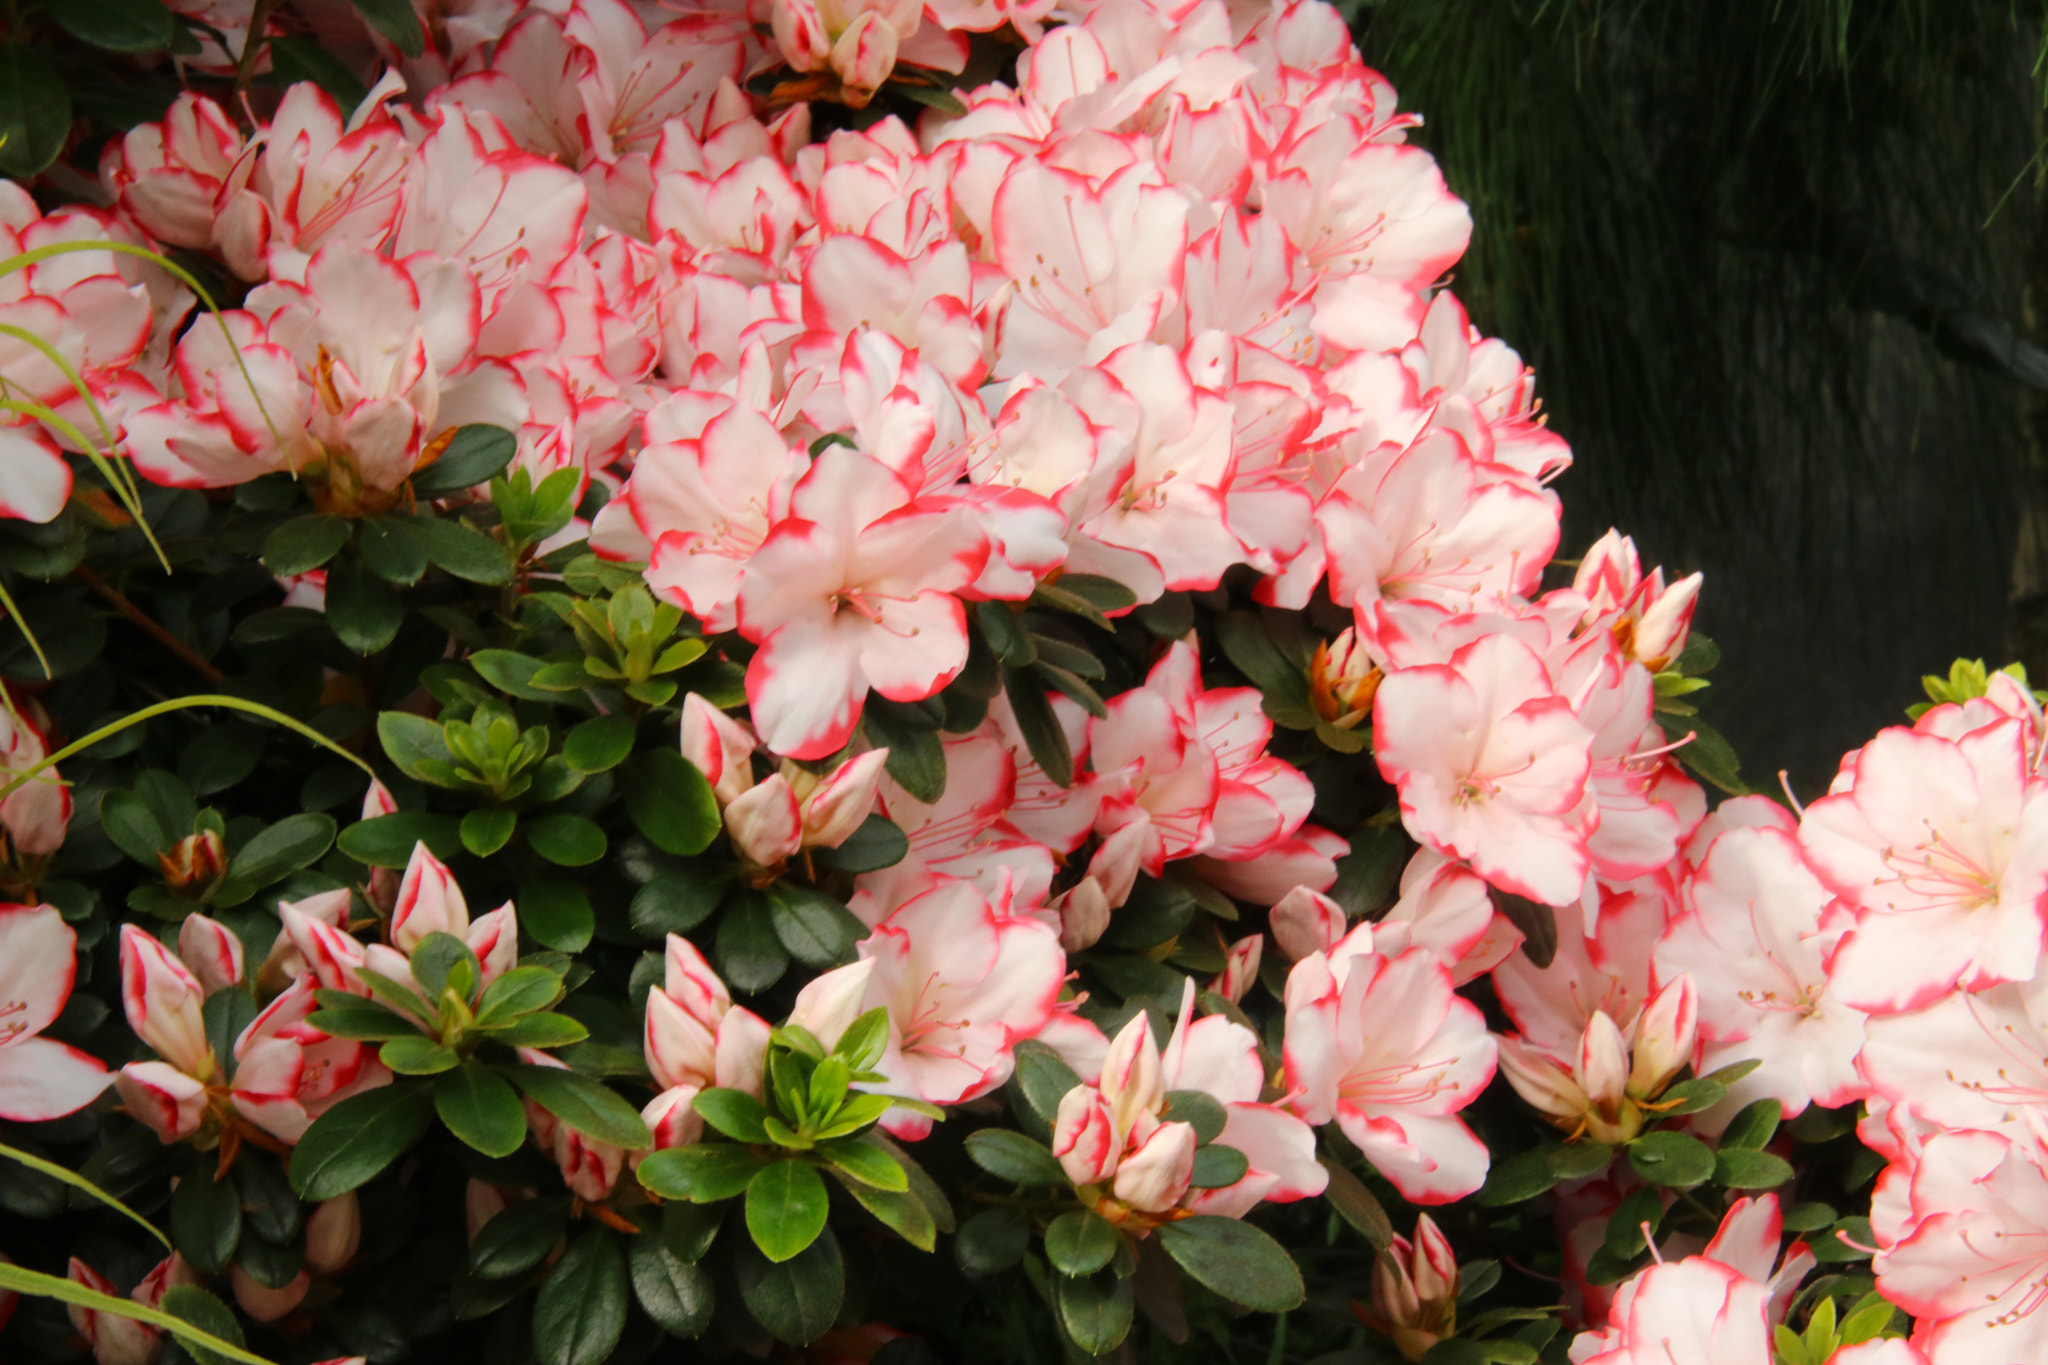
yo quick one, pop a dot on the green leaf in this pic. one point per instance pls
(1357, 1205)
(703, 1172)
(1809, 1217)
(393, 550)
(359, 1019)
(481, 1110)
(567, 840)
(1692, 1097)
(133, 826)
(116, 25)
(519, 991)
(413, 742)
(1234, 1260)
(1096, 1310)
(1867, 1320)
(676, 1293)
(1843, 1241)
(674, 903)
(917, 757)
(206, 1216)
(786, 1207)
(593, 1109)
(670, 802)
(1672, 1159)
(865, 1039)
(580, 1311)
(359, 1137)
(876, 844)
(277, 851)
(519, 1236)
(301, 59)
(1042, 1079)
(364, 611)
(902, 1212)
(1741, 1168)
(208, 1314)
(818, 930)
(417, 1055)
(1217, 1166)
(796, 1300)
(463, 551)
(304, 543)
(487, 829)
(1013, 1157)
(734, 1113)
(476, 453)
(387, 840)
(512, 673)
(1199, 1108)
(1080, 1242)
(992, 1241)
(1572, 1160)
(750, 955)
(1038, 724)
(542, 1031)
(1624, 1238)
(557, 914)
(1753, 1125)
(35, 111)
(398, 23)
(599, 744)
(867, 1163)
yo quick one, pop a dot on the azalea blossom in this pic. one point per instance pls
(40, 1078)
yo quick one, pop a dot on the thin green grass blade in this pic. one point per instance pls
(13, 611)
(43, 1286)
(79, 1182)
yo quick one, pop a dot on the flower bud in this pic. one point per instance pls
(1084, 915)
(690, 981)
(680, 1050)
(210, 950)
(719, 747)
(429, 902)
(263, 1303)
(195, 866)
(1153, 1178)
(834, 807)
(1342, 679)
(1130, 1074)
(163, 1000)
(1240, 968)
(1415, 1291)
(159, 1095)
(672, 1117)
(1603, 1074)
(800, 34)
(334, 1231)
(1541, 1082)
(831, 1002)
(863, 57)
(494, 938)
(1665, 1034)
(1084, 1136)
(765, 824)
(114, 1340)
(1305, 921)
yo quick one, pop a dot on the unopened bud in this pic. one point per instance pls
(1153, 1178)
(195, 866)
(1415, 1291)
(1240, 968)
(333, 1233)
(1665, 1034)
(1542, 1082)
(1342, 681)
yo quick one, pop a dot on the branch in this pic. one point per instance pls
(149, 624)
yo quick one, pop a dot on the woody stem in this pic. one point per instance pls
(149, 625)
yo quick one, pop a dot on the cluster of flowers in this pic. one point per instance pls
(1166, 309)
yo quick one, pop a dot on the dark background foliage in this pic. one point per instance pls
(1777, 264)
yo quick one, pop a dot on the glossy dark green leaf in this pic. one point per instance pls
(917, 758)
(557, 914)
(1741, 1168)
(670, 802)
(392, 549)
(817, 929)
(487, 829)
(517, 991)
(543, 1030)
(1095, 1310)
(750, 955)
(277, 850)
(359, 1137)
(677, 902)
(702, 1173)
(519, 1237)
(464, 551)
(588, 1106)
(359, 1019)
(304, 543)
(134, 827)
(387, 840)
(1040, 1082)
(302, 59)
(796, 1300)
(786, 1207)
(1236, 1260)
(876, 844)
(676, 1293)
(417, 1055)
(1039, 725)
(481, 1109)
(206, 1217)
(734, 1113)
(194, 1305)
(1199, 1108)
(1672, 1159)
(1079, 1242)
(364, 610)
(580, 1311)
(1358, 1206)
(1011, 1156)
(269, 1208)
(116, 25)
(866, 1163)
(1753, 1125)
(599, 744)
(1217, 1166)
(991, 1241)
(566, 840)
(476, 453)
(1520, 1177)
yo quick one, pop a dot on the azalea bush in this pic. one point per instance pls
(872, 682)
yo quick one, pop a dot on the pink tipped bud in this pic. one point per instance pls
(830, 1003)
(429, 902)
(719, 747)
(378, 800)
(1305, 921)
(1603, 1062)
(334, 1231)
(1130, 1074)
(1436, 1265)
(1666, 622)
(765, 823)
(680, 1049)
(211, 950)
(864, 56)
(195, 866)
(495, 940)
(800, 33)
(1415, 1290)
(834, 808)
(1084, 1136)
(689, 980)
(170, 1102)
(1240, 968)
(1541, 1082)
(114, 1340)
(1665, 1035)
(1084, 915)
(672, 1117)
(1154, 1177)
(263, 1303)
(164, 1001)
(742, 1053)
